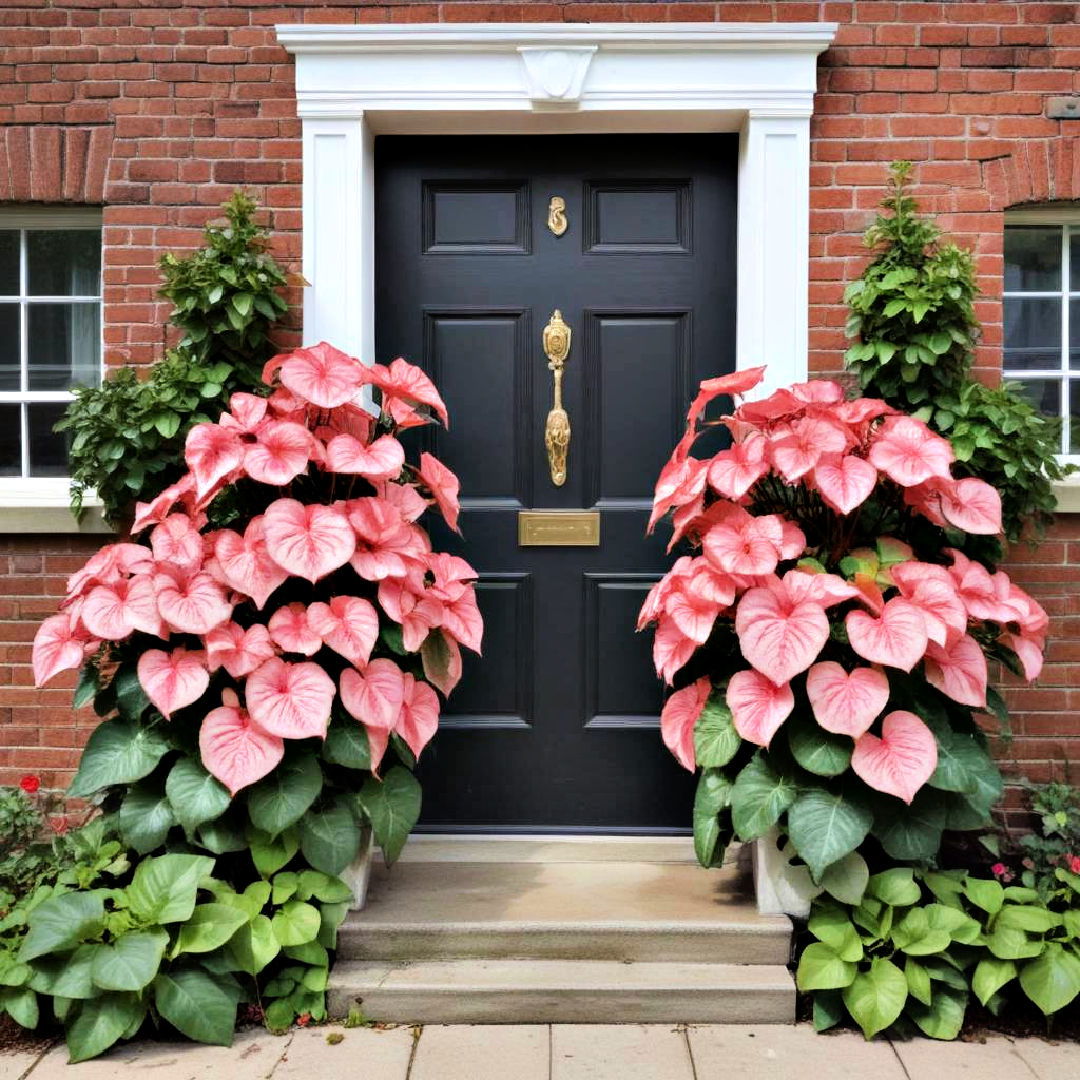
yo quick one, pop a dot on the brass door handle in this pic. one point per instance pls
(556, 340)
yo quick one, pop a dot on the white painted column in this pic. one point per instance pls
(774, 246)
(338, 240)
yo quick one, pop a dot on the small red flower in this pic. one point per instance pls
(30, 784)
(1074, 863)
(59, 825)
(999, 869)
(303, 1020)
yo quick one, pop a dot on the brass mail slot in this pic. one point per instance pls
(558, 528)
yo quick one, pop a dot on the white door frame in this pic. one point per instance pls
(355, 82)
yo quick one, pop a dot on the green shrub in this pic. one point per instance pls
(128, 434)
(912, 315)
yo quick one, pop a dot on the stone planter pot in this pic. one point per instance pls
(780, 887)
(358, 873)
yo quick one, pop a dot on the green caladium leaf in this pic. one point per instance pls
(1052, 980)
(61, 922)
(21, 1005)
(282, 798)
(163, 888)
(100, 1022)
(330, 836)
(66, 976)
(253, 946)
(716, 741)
(145, 818)
(876, 998)
(914, 936)
(821, 969)
(118, 752)
(271, 853)
(296, 923)
(760, 795)
(1008, 943)
(847, 878)
(829, 1009)
(831, 924)
(955, 923)
(825, 826)
(988, 895)
(210, 927)
(1032, 918)
(991, 974)
(130, 962)
(347, 742)
(815, 749)
(323, 887)
(943, 1017)
(895, 887)
(911, 833)
(392, 805)
(713, 796)
(918, 981)
(196, 1005)
(195, 796)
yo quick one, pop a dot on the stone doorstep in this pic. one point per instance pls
(563, 991)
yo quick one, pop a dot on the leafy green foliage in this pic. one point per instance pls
(1056, 842)
(128, 434)
(912, 315)
(915, 946)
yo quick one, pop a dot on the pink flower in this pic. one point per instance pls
(30, 784)
(59, 825)
(999, 869)
(1073, 862)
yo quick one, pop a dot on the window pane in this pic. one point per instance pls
(1074, 259)
(1074, 333)
(63, 262)
(1044, 394)
(9, 262)
(1032, 333)
(9, 346)
(63, 345)
(48, 449)
(1032, 259)
(10, 450)
(1074, 418)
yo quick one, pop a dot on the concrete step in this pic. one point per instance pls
(615, 911)
(563, 992)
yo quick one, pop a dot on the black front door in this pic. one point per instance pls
(555, 728)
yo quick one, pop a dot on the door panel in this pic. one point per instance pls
(555, 727)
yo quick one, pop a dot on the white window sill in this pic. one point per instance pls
(43, 506)
(1068, 495)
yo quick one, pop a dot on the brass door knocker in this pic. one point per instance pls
(557, 215)
(556, 339)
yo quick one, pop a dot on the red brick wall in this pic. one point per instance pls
(159, 109)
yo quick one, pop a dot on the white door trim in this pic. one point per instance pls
(355, 82)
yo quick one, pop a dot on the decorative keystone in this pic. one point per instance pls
(555, 77)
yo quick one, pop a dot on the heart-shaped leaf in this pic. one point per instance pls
(899, 762)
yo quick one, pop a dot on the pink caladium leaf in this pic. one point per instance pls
(972, 505)
(677, 720)
(246, 564)
(375, 698)
(382, 460)
(462, 620)
(246, 412)
(846, 703)
(733, 472)
(901, 760)
(741, 544)
(441, 657)
(191, 603)
(173, 680)
(407, 383)
(291, 632)
(758, 706)
(415, 611)
(280, 455)
(237, 650)
(443, 485)
(156, 510)
(681, 481)
(114, 612)
(800, 450)
(110, 564)
(292, 701)
(909, 453)
(349, 625)
(59, 645)
(213, 454)
(823, 589)
(1028, 651)
(177, 541)
(931, 590)
(845, 483)
(235, 749)
(693, 613)
(308, 541)
(671, 649)
(419, 718)
(896, 639)
(321, 375)
(778, 637)
(738, 382)
(958, 670)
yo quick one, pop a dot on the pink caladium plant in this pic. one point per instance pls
(827, 633)
(321, 609)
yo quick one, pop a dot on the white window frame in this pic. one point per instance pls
(44, 491)
(1067, 219)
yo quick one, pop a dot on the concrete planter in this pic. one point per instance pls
(358, 873)
(780, 887)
